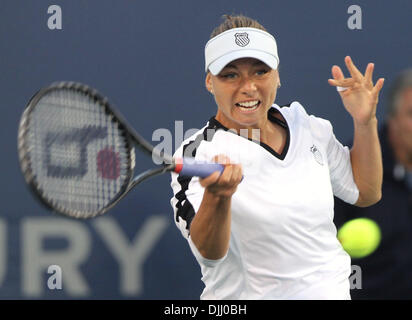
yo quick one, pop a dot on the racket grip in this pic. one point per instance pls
(193, 168)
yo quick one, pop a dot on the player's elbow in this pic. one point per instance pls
(213, 255)
(369, 200)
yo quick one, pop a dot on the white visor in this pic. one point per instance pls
(240, 43)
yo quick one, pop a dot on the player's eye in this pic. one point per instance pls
(228, 75)
(261, 72)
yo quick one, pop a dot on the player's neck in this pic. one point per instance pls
(274, 136)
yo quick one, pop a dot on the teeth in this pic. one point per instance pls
(248, 104)
(248, 108)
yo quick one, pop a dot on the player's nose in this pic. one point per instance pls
(248, 86)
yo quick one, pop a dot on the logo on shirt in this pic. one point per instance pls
(241, 39)
(316, 154)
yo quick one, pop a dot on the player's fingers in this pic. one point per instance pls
(353, 70)
(222, 159)
(337, 73)
(232, 173)
(209, 180)
(226, 175)
(369, 74)
(348, 82)
(238, 174)
(233, 178)
(378, 86)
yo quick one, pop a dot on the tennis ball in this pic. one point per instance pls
(359, 237)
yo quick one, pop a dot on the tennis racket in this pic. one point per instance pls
(77, 153)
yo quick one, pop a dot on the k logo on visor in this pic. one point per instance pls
(241, 39)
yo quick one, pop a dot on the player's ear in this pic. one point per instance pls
(208, 82)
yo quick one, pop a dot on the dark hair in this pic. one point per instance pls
(402, 81)
(236, 21)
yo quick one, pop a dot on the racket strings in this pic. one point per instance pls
(80, 160)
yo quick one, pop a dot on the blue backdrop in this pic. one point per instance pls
(147, 57)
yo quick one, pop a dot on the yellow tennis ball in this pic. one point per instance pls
(359, 237)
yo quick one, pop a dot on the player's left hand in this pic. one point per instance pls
(360, 97)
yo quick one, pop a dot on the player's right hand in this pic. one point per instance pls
(225, 184)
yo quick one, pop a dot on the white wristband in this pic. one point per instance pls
(341, 88)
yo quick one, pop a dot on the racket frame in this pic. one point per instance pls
(131, 137)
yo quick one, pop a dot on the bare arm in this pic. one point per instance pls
(360, 99)
(210, 228)
(366, 160)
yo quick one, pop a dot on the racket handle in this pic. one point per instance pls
(200, 169)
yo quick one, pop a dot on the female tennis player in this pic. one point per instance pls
(263, 229)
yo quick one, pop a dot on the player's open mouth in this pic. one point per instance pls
(248, 106)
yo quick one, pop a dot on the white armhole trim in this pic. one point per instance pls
(202, 260)
(343, 184)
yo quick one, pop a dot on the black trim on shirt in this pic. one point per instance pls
(216, 124)
(185, 209)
